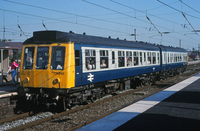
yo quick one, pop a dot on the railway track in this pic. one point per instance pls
(86, 114)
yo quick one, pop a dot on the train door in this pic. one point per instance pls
(78, 67)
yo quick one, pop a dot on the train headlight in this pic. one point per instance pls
(26, 79)
(57, 80)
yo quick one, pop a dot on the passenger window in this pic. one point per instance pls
(113, 57)
(167, 57)
(171, 57)
(77, 58)
(28, 58)
(175, 57)
(141, 62)
(158, 58)
(149, 58)
(145, 60)
(121, 59)
(90, 59)
(154, 57)
(129, 58)
(164, 58)
(136, 59)
(103, 59)
(42, 59)
(57, 58)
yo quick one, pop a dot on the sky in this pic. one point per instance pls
(167, 22)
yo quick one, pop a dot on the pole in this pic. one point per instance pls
(1, 66)
(4, 28)
(135, 33)
(180, 43)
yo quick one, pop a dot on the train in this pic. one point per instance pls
(66, 69)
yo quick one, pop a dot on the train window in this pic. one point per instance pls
(171, 57)
(136, 58)
(42, 57)
(90, 58)
(28, 58)
(167, 57)
(145, 58)
(185, 57)
(57, 58)
(179, 57)
(164, 58)
(103, 59)
(113, 57)
(129, 58)
(141, 61)
(120, 58)
(175, 58)
(149, 58)
(77, 58)
(154, 57)
(158, 58)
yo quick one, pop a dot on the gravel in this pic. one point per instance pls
(10, 125)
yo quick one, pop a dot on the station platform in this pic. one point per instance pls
(8, 90)
(175, 108)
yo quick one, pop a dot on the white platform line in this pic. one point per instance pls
(120, 117)
(8, 94)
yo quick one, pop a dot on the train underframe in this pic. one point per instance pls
(57, 100)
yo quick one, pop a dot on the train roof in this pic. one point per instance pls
(48, 37)
(45, 37)
(172, 49)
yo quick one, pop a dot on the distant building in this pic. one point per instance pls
(6, 53)
(14, 45)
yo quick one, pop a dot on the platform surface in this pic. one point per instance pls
(175, 108)
(8, 90)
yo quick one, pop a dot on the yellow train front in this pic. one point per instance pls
(47, 65)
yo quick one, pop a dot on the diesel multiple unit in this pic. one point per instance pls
(65, 69)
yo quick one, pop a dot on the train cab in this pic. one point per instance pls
(47, 64)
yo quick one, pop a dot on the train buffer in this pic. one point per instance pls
(175, 108)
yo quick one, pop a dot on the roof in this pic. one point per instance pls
(17, 45)
(172, 49)
(4, 45)
(10, 45)
(47, 37)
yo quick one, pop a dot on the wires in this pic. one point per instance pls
(63, 21)
(189, 23)
(66, 13)
(177, 9)
(189, 6)
(149, 23)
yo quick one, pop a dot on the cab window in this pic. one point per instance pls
(57, 58)
(28, 58)
(42, 57)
